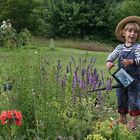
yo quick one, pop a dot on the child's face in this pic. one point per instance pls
(131, 35)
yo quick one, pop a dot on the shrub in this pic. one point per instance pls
(106, 130)
(10, 39)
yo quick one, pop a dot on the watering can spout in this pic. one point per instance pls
(112, 87)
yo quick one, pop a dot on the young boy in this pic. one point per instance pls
(128, 54)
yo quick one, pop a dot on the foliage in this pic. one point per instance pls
(24, 37)
(68, 19)
(78, 19)
(94, 137)
(10, 39)
(52, 45)
(44, 91)
(19, 12)
(129, 7)
(38, 93)
(107, 131)
(84, 19)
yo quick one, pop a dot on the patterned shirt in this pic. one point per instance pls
(114, 55)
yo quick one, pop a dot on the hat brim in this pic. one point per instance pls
(122, 23)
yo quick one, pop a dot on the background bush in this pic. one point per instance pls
(9, 38)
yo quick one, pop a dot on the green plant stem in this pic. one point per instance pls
(10, 133)
(37, 129)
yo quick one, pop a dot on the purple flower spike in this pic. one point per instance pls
(102, 76)
(58, 65)
(63, 83)
(99, 84)
(109, 84)
(90, 79)
(82, 84)
(70, 67)
(88, 67)
(77, 68)
(83, 73)
(73, 60)
(67, 69)
(74, 81)
(95, 71)
(58, 70)
(94, 60)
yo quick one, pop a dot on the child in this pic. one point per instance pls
(128, 54)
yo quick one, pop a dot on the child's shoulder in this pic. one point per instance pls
(119, 46)
(138, 45)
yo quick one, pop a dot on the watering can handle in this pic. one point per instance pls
(110, 71)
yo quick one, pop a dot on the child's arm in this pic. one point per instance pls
(113, 56)
(109, 65)
(137, 54)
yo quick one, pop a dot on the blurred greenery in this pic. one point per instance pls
(84, 19)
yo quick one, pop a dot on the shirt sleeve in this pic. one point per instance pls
(137, 54)
(114, 55)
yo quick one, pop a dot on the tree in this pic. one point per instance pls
(19, 12)
(78, 18)
(128, 8)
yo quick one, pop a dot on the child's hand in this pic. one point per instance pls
(109, 65)
(127, 62)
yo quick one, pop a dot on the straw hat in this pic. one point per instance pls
(122, 24)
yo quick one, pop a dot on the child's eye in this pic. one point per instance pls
(135, 31)
(132, 31)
